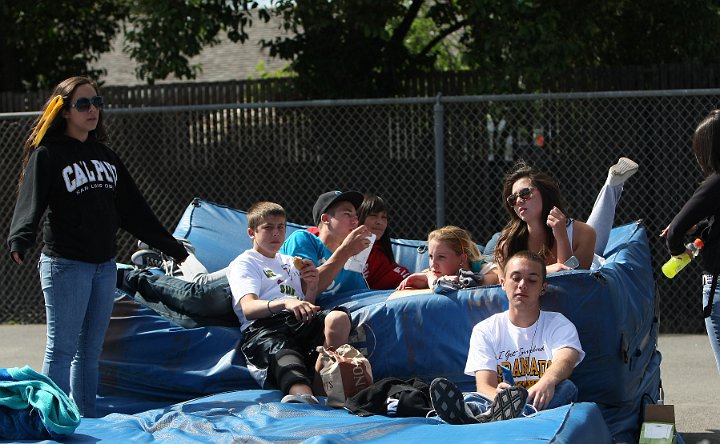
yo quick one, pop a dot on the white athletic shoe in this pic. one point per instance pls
(621, 171)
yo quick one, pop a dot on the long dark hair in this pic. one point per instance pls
(706, 143)
(515, 235)
(64, 89)
(373, 203)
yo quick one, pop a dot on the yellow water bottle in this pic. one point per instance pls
(677, 263)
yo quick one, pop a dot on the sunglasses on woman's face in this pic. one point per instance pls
(524, 194)
(83, 104)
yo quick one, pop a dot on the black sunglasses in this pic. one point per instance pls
(523, 194)
(83, 104)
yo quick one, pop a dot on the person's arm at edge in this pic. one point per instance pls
(584, 244)
(328, 271)
(486, 383)
(699, 206)
(563, 363)
(309, 277)
(32, 200)
(137, 218)
(256, 308)
(353, 244)
(418, 281)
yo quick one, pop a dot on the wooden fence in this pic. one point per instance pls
(623, 78)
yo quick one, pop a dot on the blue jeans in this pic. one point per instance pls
(209, 300)
(565, 393)
(602, 216)
(79, 298)
(188, 304)
(712, 322)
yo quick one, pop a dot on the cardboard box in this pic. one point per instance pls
(659, 425)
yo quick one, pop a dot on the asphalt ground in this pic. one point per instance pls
(689, 374)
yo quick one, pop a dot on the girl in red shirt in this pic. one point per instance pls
(382, 272)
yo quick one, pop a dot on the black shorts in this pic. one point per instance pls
(265, 337)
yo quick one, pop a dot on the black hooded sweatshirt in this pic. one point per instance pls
(88, 195)
(704, 203)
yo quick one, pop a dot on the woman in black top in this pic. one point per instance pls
(88, 195)
(704, 205)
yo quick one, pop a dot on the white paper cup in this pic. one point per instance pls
(357, 263)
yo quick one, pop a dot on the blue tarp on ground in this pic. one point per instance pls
(150, 362)
(258, 416)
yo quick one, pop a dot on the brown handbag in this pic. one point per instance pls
(344, 372)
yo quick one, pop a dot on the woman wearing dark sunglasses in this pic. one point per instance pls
(88, 194)
(539, 222)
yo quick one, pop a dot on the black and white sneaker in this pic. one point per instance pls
(147, 259)
(448, 402)
(508, 404)
(185, 243)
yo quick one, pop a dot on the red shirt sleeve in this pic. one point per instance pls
(381, 274)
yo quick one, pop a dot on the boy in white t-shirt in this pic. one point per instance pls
(539, 348)
(273, 297)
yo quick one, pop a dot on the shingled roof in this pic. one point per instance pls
(224, 61)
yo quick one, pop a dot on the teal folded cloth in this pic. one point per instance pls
(32, 406)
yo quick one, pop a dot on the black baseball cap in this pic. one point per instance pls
(326, 200)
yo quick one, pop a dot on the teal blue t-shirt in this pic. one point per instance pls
(307, 245)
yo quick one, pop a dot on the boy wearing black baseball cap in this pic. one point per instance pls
(339, 238)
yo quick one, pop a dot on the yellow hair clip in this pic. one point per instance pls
(47, 118)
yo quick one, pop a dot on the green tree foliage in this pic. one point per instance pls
(162, 35)
(345, 48)
(44, 41)
(521, 45)
(362, 48)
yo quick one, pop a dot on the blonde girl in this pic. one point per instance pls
(450, 250)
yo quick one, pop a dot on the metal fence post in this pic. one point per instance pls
(439, 118)
(236, 153)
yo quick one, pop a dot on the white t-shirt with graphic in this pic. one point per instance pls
(527, 351)
(268, 278)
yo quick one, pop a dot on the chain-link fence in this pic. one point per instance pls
(291, 152)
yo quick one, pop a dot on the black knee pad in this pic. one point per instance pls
(288, 367)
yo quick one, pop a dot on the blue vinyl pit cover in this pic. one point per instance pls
(149, 362)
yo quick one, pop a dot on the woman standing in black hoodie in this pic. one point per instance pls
(88, 195)
(701, 210)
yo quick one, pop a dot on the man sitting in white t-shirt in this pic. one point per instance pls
(274, 298)
(539, 348)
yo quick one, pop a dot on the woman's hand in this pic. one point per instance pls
(553, 268)
(17, 257)
(556, 220)
(415, 280)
